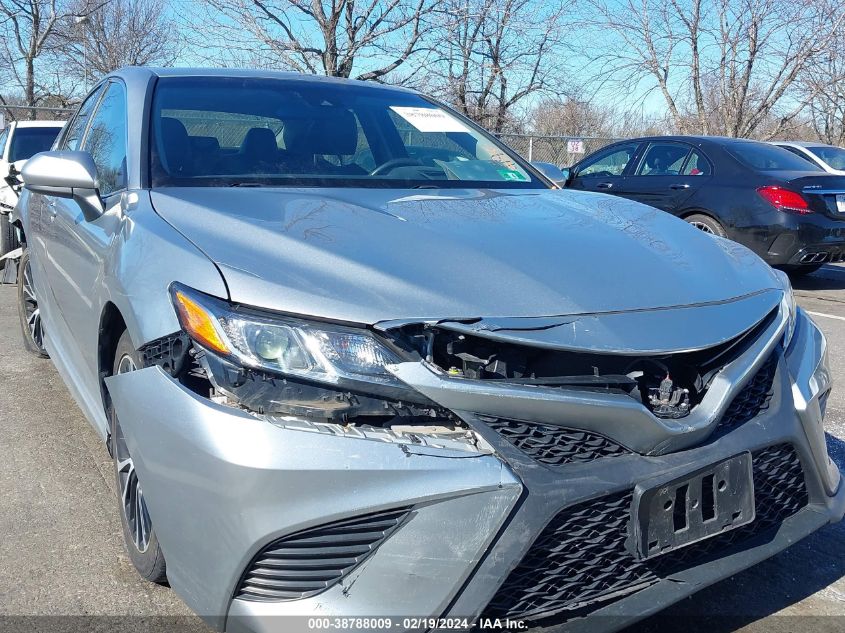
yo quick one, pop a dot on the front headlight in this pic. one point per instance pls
(321, 352)
(788, 305)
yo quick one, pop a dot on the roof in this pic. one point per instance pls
(135, 71)
(688, 138)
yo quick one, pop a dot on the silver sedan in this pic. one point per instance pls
(354, 358)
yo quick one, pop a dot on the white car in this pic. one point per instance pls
(829, 157)
(18, 142)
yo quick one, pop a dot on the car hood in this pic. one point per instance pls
(369, 255)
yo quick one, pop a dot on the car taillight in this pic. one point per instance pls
(785, 200)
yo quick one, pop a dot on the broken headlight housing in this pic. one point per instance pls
(324, 353)
(789, 306)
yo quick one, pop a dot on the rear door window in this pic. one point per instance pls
(609, 163)
(663, 159)
(696, 165)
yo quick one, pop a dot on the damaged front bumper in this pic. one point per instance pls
(221, 484)
(463, 532)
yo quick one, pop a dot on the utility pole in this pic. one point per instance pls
(83, 21)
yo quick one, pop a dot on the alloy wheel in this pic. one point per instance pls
(131, 495)
(31, 310)
(701, 226)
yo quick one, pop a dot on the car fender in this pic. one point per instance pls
(147, 255)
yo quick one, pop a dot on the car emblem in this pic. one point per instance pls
(668, 400)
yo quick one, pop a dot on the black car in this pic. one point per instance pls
(789, 212)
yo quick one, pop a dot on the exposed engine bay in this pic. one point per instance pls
(669, 385)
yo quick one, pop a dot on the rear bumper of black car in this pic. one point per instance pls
(796, 239)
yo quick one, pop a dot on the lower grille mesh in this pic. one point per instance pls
(580, 560)
(311, 561)
(555, 445)
(753, 398)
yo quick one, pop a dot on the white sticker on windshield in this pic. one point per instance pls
(430, 119)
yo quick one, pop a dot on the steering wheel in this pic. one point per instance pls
(393, 163)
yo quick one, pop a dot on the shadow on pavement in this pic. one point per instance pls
(826, 278)
(741, 601)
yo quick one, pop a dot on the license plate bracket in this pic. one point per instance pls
(674, 513)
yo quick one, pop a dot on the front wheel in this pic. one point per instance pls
(138, 533)
(29, 313)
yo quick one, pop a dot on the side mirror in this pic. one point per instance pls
(65, 175)
(558, 176)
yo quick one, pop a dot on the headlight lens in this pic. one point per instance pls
(323, 352)
(789, 306)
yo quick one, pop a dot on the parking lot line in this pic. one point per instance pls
(827, 316)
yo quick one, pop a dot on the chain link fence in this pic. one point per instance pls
(10, 113)
(562, 151)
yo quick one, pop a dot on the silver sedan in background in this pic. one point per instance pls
(354, 357)
(829, 157)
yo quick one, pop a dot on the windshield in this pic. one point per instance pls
(765, 157)
(28, 141)
(833, 156)
(227, 131)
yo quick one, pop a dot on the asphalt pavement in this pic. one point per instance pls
(61, 549)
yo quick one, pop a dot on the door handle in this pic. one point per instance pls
(679, 186)
(604, 185)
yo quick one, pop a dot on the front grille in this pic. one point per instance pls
(779, 492)
(311, 561)
(555, 445)
(580, 560)
(753, 399)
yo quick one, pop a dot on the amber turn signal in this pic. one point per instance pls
(199, 324)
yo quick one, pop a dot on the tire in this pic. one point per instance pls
(8, 237)
(138, 533)
(707, 224)
(32, 328)
(801, 271)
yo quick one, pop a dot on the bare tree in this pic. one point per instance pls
(497, 53)
(726, 67)
(565, 117)
(826, 99)
(107, 36)
(364, 39)
(28, 31)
